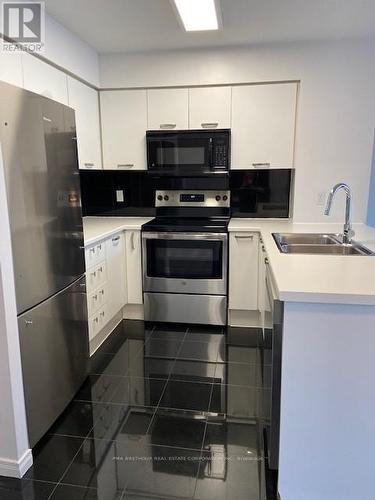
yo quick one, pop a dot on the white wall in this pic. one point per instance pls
(336, 117)
(67, 50)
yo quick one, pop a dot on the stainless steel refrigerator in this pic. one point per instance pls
(39, 153)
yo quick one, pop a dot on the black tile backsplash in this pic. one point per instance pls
(99, 193)
(260, 193)
(254, 193)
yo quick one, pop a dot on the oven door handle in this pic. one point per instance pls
(185, 236)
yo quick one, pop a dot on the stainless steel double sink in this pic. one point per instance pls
(318, 243)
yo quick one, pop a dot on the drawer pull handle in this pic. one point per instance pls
(92, 250)
(167, 125)
(210, 125)
(261, 164)
(132, 242)
(101, 292)
(93, 274)
(266, 261)
(89, 165)
(125, 165)
(116, 239)
(100, 247)
(244, 237)
(95, 297)
(102, 314)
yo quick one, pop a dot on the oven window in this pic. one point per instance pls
(186, 259)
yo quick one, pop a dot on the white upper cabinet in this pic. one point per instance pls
(210, 107)
(11, 68)
(85, 101)
(263, 125)
(44, 79)
(167, 109)
(124, 124)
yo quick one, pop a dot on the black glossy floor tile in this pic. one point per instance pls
(53, 458)
(151, 421)
(168, 472)
(138, 391)
(156, 348)
(98, 388)
(199, 333)
(199, 351)
(27, 490)
(169, 331)
(66, 492)
(186, 396)
(177, 431)
(193, 371)
(77, 420)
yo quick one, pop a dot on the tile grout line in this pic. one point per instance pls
(167, 380)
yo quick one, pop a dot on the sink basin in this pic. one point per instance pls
(320, 244)
(306, 239)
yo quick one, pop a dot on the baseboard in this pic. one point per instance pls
(14, 468)
(134, 311)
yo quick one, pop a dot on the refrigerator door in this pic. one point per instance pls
(40, 158)
(55, 354)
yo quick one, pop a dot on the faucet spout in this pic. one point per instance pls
(348, 232)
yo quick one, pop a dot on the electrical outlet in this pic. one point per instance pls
(120, 198)
(321, 199)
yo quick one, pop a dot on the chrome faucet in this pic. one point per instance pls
(348, 231)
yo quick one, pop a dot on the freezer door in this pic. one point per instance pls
(40, 158)
(55, 354)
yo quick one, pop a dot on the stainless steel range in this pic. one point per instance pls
(185, 257)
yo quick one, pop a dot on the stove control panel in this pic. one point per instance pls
(192, 198)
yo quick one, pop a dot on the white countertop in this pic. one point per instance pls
(317, 278)
(99, 228)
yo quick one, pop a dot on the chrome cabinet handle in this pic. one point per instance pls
(89, 165)
(209, 125)
(266, 261)
(28, 322)
(261, 164)
(117, 238)
(93, 274)
(125, 165)
(167, 125)
(92, 250)
(100, 246)
(244, 237)
(132, 242)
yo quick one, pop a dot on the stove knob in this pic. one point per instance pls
(160, 197)
(218, 197)
(225, 197)
(166, 197)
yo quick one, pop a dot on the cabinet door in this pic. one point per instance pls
(243, 271)
(210, 107)
(44, 79)
(263, 125)
(134, 267)
(11, 68)
(167, 109)
(85, 101)
(116, 273)
(124, 124)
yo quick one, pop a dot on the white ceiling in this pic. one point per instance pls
(143, 25)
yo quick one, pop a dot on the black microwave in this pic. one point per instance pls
(188, 152)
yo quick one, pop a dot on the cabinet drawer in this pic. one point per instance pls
(96, 299)
(94, 254)
(96, 276)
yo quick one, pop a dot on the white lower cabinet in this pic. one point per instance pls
(116, 273)
(106, 281)
(243, 271)
(134, 266)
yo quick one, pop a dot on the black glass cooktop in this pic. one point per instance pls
(176, 224)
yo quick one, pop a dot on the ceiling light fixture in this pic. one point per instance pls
(198, 15)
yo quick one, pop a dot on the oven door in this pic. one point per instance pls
(179, 153)
(185, 262)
